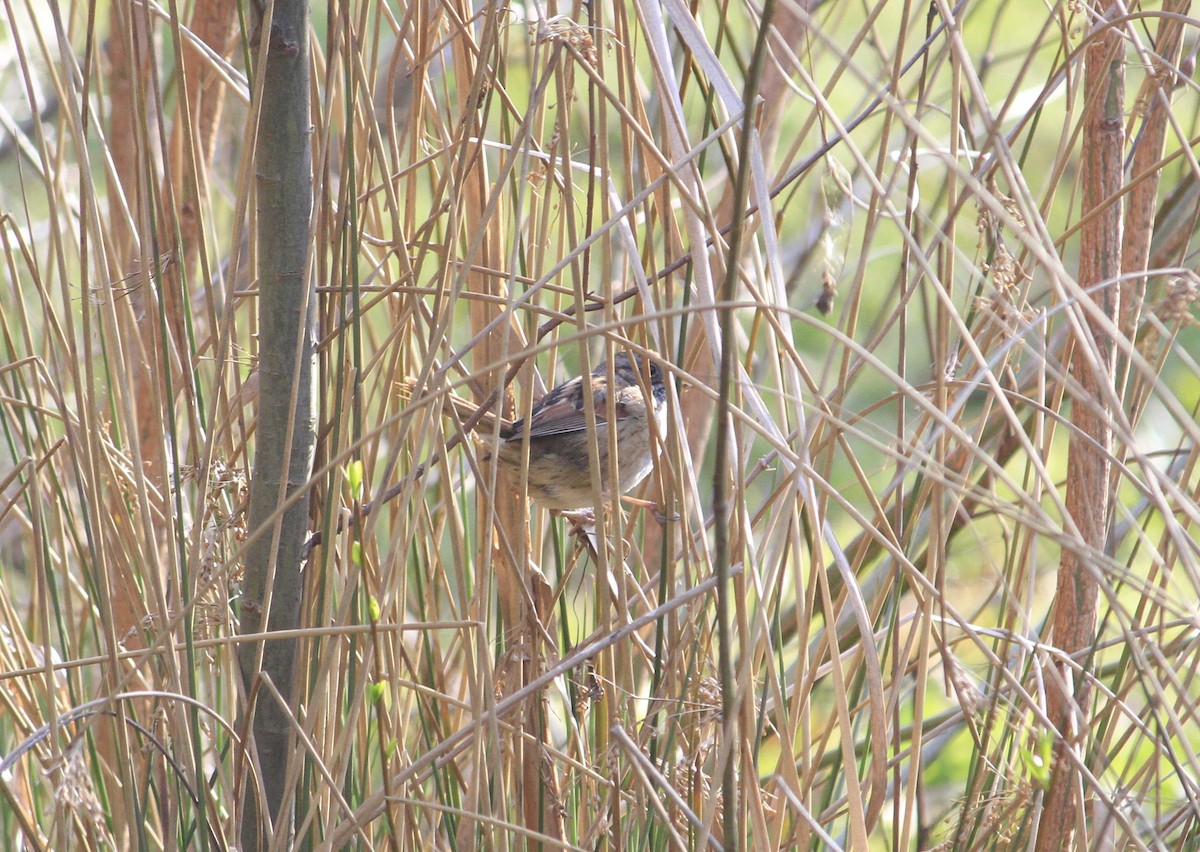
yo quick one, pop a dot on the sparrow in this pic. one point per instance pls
(559, 476)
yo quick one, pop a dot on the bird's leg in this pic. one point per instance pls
(657, 510)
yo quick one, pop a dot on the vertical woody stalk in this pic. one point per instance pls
(1145, 172)
(1092, 364)
(286, 434)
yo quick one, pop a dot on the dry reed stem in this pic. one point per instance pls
(1089, 489)
(497, 200)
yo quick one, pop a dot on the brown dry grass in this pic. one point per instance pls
(491, 187)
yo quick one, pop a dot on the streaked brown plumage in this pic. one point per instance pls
(557, 430)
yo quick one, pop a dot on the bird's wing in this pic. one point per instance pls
(562, 410)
